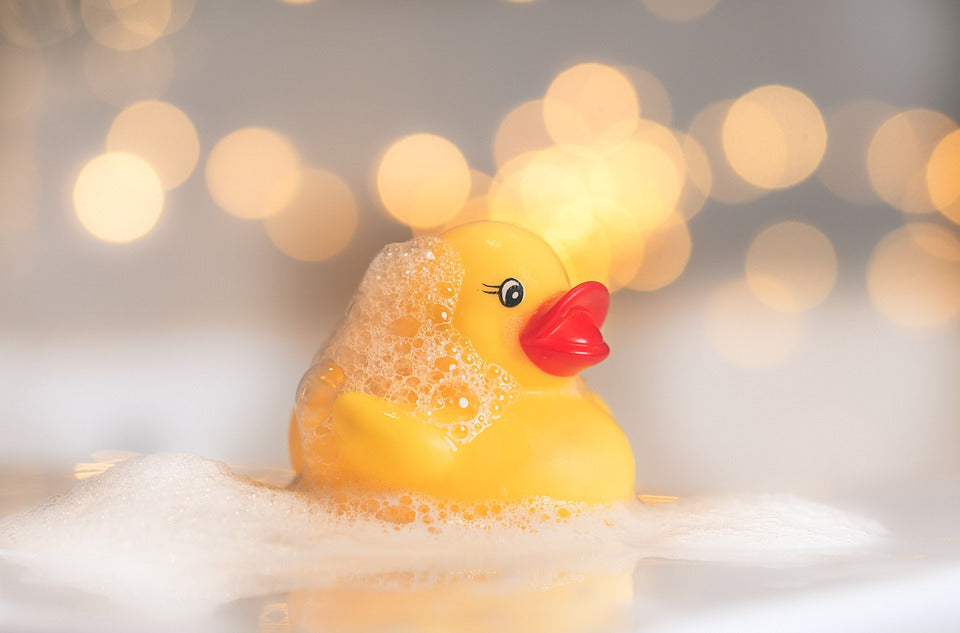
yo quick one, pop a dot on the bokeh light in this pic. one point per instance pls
(914, 275)
(791, 266)
(774, 136)
(319, 221)
(22, 83)
(609, 189)
(555, 193)
(559, 195)
(748, 333)
(251, 173)
(707, 129)
(119, 77)
(679, 10)
(665, 253)
(548, 192)
(161, 134)
(590, 103)
(475, 208)
(851, 126)
(652, 96)
(588, 258)
(126, 25)
(521, 130)
(620, 235)
(423, 180)
(19, 190)
(603, 197)
(180, 13)
(898, 155)
(699, 182)
(648, 174)
(33, 24)
(943, 176)
(479, 183)
(118, 197)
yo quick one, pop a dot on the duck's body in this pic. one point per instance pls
(566, 447)
(545, 434)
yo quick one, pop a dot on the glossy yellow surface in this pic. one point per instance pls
(554, 437)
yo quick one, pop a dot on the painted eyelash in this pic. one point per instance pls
(492, 292)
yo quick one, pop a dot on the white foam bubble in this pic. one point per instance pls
(176, 533)
(397, 342)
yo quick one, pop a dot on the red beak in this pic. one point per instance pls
(563, 336)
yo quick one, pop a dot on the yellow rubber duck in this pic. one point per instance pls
(467, 389)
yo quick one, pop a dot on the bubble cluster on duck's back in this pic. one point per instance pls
(438, 515)
(397, 342)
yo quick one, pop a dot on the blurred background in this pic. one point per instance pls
(190, 192)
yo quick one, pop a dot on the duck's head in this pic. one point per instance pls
(517, 306)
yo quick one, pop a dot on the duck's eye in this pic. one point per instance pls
(510, 292)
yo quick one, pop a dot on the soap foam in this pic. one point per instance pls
(397, 343)
(176, 534)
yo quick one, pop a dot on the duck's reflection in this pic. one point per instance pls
(555, 600)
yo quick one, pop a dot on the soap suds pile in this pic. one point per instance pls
(175, 533)
(397, 343)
